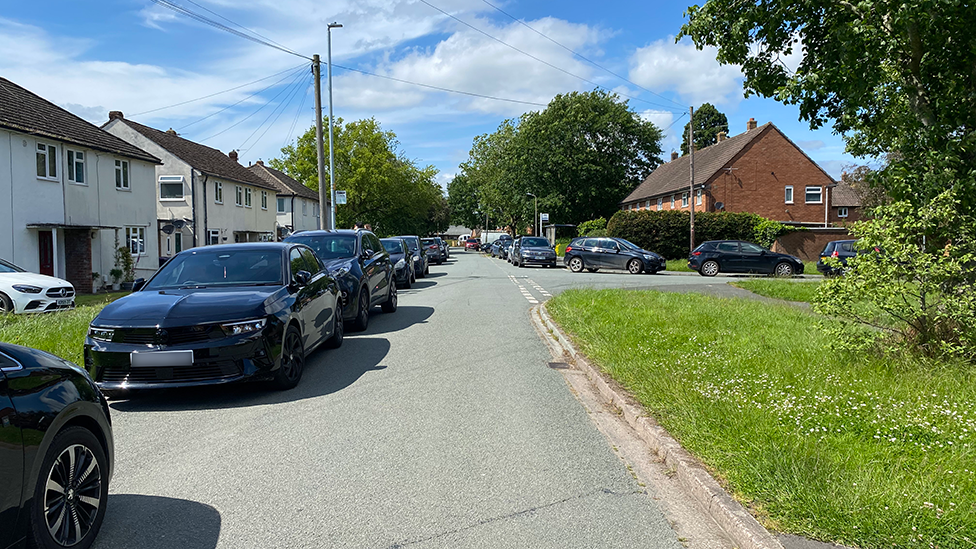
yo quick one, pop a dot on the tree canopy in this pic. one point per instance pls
(383, 187)
(709, 121)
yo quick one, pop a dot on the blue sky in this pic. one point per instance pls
(136, 56)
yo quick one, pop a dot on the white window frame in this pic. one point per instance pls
(685, 199)
(122, 174)
(698, 197)
(73, 164)
(172, 180)
(218, 192)
(247, 197)
(648, 204)
(264, 200)
(842, 211)
(660, 203)
(810, 189)
(238, 196)
(304, 207)
(213, 237)
(281, 205)
(135, 237)
(788, 194)
(672, 201)
(50, 153)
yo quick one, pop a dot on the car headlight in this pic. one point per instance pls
(25, 289)
(101, 334)
(400, 264)
(246, 327)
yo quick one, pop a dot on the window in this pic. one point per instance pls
(660, 204)
(122, 174)
(178, 241)
(672, 201)
(281, 205)
(76, 167)
(750, 248)
(648, 205)
(814, 195)
(218, 192)
(698, 197)
(728, 247)
(304, 207)
(789, 194)
(247, 197)
(841, 212)
(171, 187)
(135, 239)
(238, 195)
(213, 236)
(47, 161)
(264, 200)
(684, 200)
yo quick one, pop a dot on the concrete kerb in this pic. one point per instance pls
(741, 527)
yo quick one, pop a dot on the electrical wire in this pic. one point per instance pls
(259, 109)
(298, 114)
(208, 10)
(291, 74)
(284, 106)
(673, 122)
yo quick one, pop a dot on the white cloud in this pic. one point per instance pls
(811, 145)
(694, 74)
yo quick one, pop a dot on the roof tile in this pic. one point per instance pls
(282, 182)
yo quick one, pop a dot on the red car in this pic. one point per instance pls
(472, 244)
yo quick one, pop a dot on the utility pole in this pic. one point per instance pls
(331, 26)
(691, 152)
(323, 204)
(535, 222)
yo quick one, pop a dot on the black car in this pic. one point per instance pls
(445, 249)
(595, 253)
(57, 452)
(217, 314)
(841, 250)
(362, 267)
(433, 250)
(421, 264)
(736, 256)
(533, 250)
(400, 256)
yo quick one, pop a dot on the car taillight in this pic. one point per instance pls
(695, 253)
(569, 248)
(835, 254)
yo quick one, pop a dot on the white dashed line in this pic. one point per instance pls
(526, 293)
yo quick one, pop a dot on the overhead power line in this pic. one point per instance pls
(259, 109)
(283, 106)
(291, 74)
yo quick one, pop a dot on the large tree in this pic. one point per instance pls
(892, 76)
(709, 121)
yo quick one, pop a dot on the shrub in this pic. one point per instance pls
(594, 227)
(767, 231)
(667, 231)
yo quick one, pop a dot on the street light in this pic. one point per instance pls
(535, 222)
(331, 26)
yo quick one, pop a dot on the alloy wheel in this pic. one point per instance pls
(293, 357)
(709, 268)
(784, 269)
(576, 264)
(72, 495)
(634, 266)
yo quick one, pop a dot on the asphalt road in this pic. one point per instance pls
(440, 426)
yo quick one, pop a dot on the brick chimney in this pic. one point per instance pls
(751, 124)
(171, 131)
(233, 155)
(674, 155)
(115, 115)
(721, 136)
(259, 162)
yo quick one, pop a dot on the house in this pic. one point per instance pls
(204, 197)
(71, 191)
(296, 205)
(760, 171)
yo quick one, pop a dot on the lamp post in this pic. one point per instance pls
(535, 221)
(331, 26)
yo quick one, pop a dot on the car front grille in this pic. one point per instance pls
(167, 336)
(56, 293)
(197, 372)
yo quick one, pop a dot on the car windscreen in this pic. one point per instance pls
(393, 246)
(217, 268)
(534, 243)
(473, 241)
(411, 243)
(330, 246)
(10, 268)
(428, 241)
(628, 244)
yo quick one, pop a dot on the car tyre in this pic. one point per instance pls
(783, 269)
(427, 269)
(6, 305)
(292, 360)
(635, 266)
(338, 331)
(362, 314)
(76, 460)
(390, 305)
(576, 265)
(409, 282)
(709, 268)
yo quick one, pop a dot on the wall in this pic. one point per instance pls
(808, 244)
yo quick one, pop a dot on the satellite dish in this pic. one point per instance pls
(179, 223)
(168, 229)
(719, 205)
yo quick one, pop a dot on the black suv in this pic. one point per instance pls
(842, 250)
(735, 256)
(594, 253)
(361, 265)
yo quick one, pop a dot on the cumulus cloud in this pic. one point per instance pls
(694, 74)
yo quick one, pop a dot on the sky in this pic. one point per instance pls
(166, 70)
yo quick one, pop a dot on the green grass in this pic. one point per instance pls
(98, 299)
(788, 290)
(680, 265)
(859, 450)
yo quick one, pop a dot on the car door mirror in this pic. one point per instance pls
(302, 278)
(367, 253)
(138, 284)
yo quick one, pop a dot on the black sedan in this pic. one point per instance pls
(736, 256)
(533, 250)
(595, 253)
(57, 451)
(421, 263)
(362, 267)
(217, 314)
(400, 257)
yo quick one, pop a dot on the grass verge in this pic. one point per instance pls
(680, 265)
(858, 450)
(788, 290)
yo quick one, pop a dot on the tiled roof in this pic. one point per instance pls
(844, 195)
(675, 176)
(24, 111)
(206, 159)
(282, 183)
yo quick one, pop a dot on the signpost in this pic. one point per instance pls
(340, 197)
(543, 218)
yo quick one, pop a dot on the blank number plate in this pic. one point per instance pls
(155, 359)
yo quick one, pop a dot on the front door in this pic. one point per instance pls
(45, 248)
(754, 259)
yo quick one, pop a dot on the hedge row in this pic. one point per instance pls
(667, 231)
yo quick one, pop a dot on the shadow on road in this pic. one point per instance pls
(404, 317)
(150, 522)
(420, 284)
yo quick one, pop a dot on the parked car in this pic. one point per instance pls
(217, 314)
(533, 250)
(445, 249)
(421, 264)
(57, 451)
(401, 257)
(736, 256)
(26, 292)
(842, 250)
(595, 253)
(485, 247)
(361, 266)
(433, 250)
(472, 244)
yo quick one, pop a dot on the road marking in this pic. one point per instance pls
(526, 293)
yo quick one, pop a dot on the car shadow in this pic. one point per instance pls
(404, 317)
(420, 284)
(136, 521)
(435, 275)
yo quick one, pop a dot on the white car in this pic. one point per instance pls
(26, 292)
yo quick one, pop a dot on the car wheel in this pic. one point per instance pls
(576, 265)
(362, 316)
(6, 306)
(635, 266)
(72, 491)
(390, 305)
(338, 331)
(292, 360)
(709, 268)
(783, 269)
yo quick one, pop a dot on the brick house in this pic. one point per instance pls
(760, 171)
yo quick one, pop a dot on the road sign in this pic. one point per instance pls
(543, 218)
(340, 197)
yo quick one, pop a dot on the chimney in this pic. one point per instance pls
(721, 136)
(115, 115)
(674, 155)
(260, 162)
(751, 124)
(171, 131)
(233, 155)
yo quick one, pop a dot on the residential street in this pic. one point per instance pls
(440, 426)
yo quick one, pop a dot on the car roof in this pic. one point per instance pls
(243, 246)
(323, 232)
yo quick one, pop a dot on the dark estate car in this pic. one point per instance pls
(421, 264)
(533, 250)
(361, 265)
(842, 250)
(217, 314)
(57, 451)
(594, 253)
(400, 256)
(735, 256)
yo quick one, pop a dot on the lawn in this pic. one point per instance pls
(680, 265)
(860, 450)
(788, 290)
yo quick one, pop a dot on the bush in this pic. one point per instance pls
(667, 231)
(595, 227)
(767, 231)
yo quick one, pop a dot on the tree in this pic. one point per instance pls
(709, 121)
(894, 77)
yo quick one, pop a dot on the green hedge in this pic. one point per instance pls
(666, 231)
